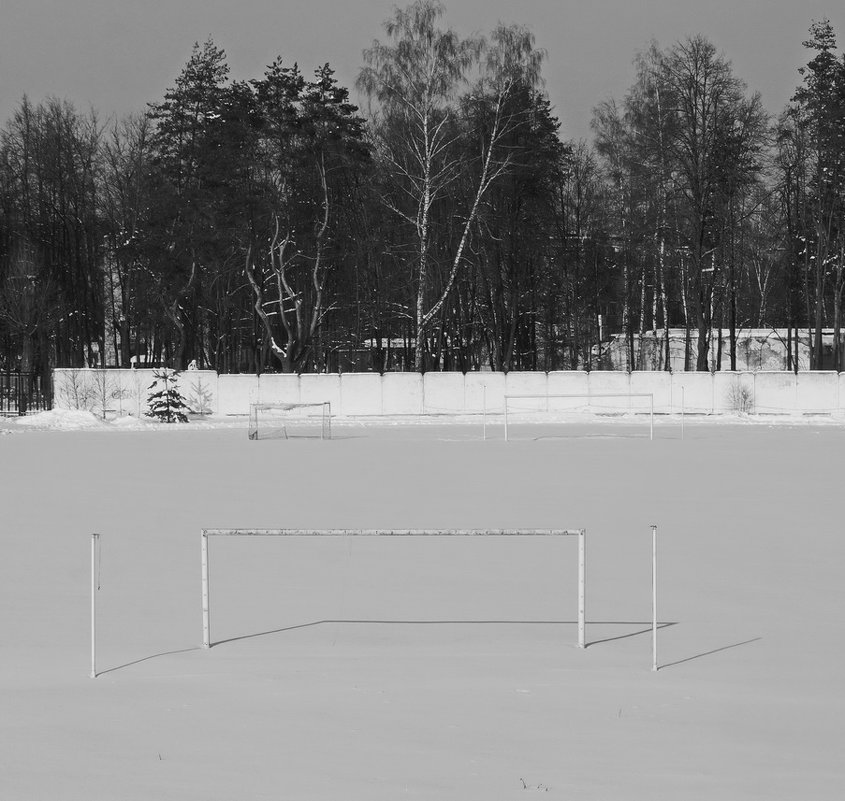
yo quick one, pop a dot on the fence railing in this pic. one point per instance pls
(22, 393)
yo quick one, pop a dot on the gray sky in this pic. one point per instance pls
(116, 55)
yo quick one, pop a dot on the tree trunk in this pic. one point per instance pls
(639, 360)
(838, 360)
(732, 298)
(664, 302)
(818, 356)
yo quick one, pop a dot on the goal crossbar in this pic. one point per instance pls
(286, 405)
(588, 396)
(389, 532)
(581, 534)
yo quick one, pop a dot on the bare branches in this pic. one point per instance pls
(426, 127)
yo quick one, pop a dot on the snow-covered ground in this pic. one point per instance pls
(365, 668)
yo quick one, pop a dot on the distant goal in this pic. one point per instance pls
(528, 412)
(288, 420)
(209, 533)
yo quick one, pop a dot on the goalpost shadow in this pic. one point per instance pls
(313, 623)
(148, 658)
(462, 622)
(709, 653)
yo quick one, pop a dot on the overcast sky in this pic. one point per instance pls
(116, 55)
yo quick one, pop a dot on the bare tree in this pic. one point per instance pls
(415, 82)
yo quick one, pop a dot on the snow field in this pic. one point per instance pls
(430, 668)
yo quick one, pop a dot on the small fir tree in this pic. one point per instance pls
(200, 399)
(165, 402)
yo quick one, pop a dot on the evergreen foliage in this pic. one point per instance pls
(165, 402)
(268, 225)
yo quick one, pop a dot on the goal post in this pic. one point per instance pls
(207, 533)
(272, 420)
(551, 404)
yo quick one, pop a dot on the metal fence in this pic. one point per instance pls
(22, 393)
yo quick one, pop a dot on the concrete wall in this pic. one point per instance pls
(818, 393)
(774, 392)
(611, 391)
(728, 395)
(401, 393)
(360, 393)
(117, 392)
(483, 389)
(657, 384)
(235, 393)
(110, 393)
(693, 391)
(321, 388)
(527, 384)
(444, 393)
(276, 388)
(569, 382)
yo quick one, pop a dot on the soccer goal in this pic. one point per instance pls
(557, 410)
(208, 533)
(287, 420)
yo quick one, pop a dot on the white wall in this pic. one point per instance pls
(235, 393)
(817, 392)
(401, 393)
(658, 384)
(278, 388)
(527, 384)
(484, 390)
(360, 393)
(444, 393)
(775, 392)
(570, 382)
(115, 392)
(728, 395)
(111, 393)
(320, 388)
(694, 391)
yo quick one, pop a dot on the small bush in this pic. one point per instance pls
(741, 399)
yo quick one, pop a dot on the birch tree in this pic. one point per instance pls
(415, 81)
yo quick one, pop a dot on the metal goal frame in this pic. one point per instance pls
(325, 423)
(207, 533)
(588, 396)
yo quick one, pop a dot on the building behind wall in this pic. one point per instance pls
(756, 349)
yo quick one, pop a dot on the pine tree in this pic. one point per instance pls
(819, 106)
(165, 401)
(191, 178)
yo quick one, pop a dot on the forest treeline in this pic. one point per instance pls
(443, 223)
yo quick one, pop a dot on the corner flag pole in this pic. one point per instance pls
(582, 588)
(206, 604)
(654, 598)
(94, 540)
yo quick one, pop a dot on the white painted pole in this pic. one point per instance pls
(484, 402)
(94, 540)
(506, 418)
(582, 588)
(654, 598)
(206, 613)
(651, 431)
(683, 407)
